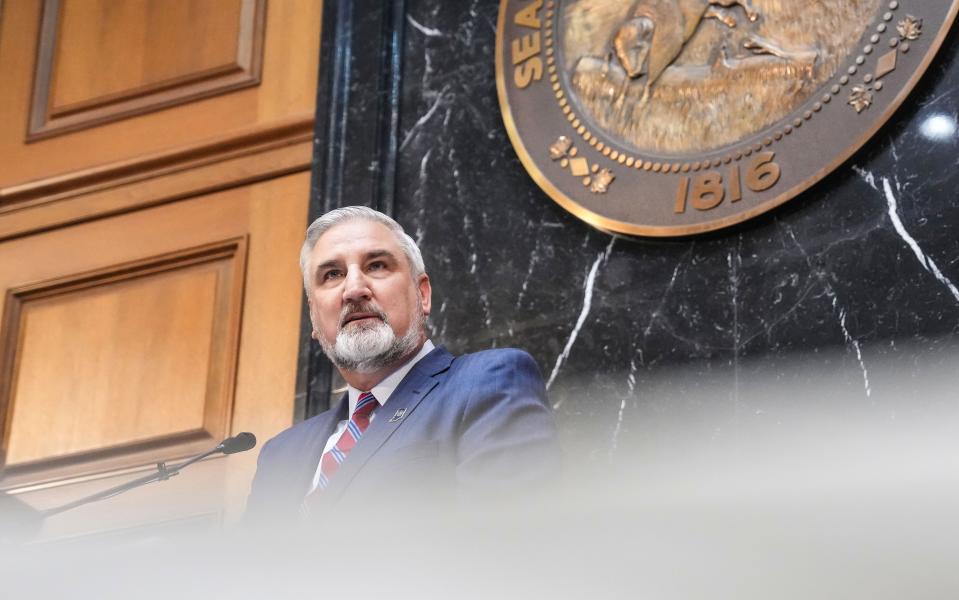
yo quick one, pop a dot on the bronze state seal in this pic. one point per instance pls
(675, 117)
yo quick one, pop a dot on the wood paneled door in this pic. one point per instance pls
(154, 182)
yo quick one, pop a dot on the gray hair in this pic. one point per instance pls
(351, 213)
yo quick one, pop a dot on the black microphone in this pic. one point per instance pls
(241, 442)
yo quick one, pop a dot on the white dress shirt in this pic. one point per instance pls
(381, 391)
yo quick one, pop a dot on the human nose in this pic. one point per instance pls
(356, 287)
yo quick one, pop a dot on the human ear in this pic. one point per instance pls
(426, 293)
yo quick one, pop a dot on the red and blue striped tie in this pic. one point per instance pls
(360, 420)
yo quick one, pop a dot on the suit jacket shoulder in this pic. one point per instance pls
(507, 434)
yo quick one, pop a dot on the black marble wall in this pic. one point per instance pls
(844, 301)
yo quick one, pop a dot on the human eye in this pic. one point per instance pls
(331, 274)
(376, 265)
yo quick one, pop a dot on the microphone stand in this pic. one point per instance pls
(162, 474)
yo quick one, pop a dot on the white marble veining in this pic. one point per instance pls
(427, 31)
(437, 102)
(853, 342)
(927, 263)
(587, 305)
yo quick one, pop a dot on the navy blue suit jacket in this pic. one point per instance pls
(473, 423)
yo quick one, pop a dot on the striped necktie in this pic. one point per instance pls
(360, 420)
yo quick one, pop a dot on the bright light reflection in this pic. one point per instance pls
(939, 127)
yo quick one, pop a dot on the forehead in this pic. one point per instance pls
(354, 238)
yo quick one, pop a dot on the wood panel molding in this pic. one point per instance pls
(255, 139)
(228, 259)
(229, 160)
(48, 119)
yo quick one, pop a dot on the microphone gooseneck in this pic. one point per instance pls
(238, 443)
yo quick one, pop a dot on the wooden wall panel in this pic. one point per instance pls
(85, 381)
(159, 242)
(107, 369)
(281, 106)
(101, 60)
(137, 355)
(104, 48)
(132, 243)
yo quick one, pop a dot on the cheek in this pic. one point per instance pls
(323, 315)
(399, 315)
(329, 320)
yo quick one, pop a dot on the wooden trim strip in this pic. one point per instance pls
(106, 102)
(203, 179)
(42, 77)
(106, 462)
(59, 187)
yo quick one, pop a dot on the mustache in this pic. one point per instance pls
(364, 309)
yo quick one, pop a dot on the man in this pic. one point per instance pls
(416, 422)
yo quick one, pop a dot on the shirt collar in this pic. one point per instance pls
(384, 389)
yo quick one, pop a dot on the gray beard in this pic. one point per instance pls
(371, 348)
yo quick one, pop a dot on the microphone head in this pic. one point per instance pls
(241, 442)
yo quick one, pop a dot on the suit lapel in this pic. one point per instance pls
(417, 384)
